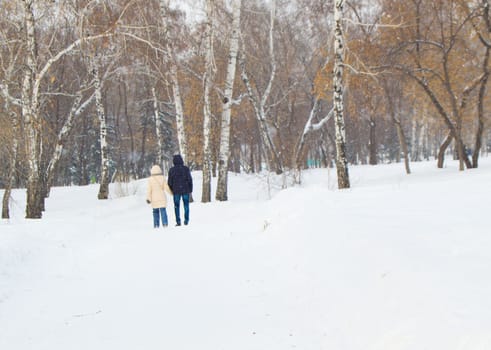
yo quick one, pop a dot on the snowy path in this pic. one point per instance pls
(395, 263)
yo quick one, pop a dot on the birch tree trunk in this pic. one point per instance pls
(76, 110)
(170, 59)
(104, 181)
(414, 144)
(372, 146)
(181, 132)
(224, 153)
(259, 102)
(207, 82)
(9, 101)
(30, 114)
(341, 161)
(12, 166)
(158, 129)
(480, 111)
(309, 127)
(421, 140)
(398, 126)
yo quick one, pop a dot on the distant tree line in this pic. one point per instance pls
(93, 91)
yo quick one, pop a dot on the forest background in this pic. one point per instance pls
(98, 91)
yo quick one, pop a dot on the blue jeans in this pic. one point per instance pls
(177, 202)
(163, 214)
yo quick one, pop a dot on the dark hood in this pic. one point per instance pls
(177, 160)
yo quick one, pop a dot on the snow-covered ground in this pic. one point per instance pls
(396, 262)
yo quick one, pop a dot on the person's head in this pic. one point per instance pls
(177, 160)
(155, 170)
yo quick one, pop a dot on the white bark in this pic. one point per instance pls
(158, 129)
(32, 78)
(181, 132)
(170, 59)
(421, 141)
(104, 181)
(224, 154)
(414, 145)
(341, 161)
(207, 85)
(309, 127)
(30, 114)
(12, 165)
(76, 110)
(259, 102)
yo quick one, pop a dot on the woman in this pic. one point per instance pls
(156, 188)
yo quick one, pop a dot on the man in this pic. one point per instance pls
(181, 185)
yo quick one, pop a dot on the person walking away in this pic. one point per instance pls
(181, 185)
(156, 188)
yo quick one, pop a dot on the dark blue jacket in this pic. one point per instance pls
(179, 179)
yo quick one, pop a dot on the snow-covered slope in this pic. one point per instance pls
(396, 262)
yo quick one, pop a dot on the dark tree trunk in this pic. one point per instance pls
(443, 149)
(373, 144)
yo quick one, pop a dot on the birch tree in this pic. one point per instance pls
(35, 69)
(338, 102)
(224, 153)
(12, 165)
(391, 106)
(207, 86)
(259, 102)
(101, 116)
(30, 113)
(78, 107)
(309, 127)
(10, 60)
(158, 128)
(170, 59)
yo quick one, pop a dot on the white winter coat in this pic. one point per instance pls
(156, 188)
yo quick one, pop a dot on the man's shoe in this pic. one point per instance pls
(185, 222)
(178, 224)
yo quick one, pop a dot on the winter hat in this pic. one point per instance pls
(177, 160)
(156, 170)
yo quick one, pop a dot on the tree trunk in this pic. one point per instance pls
(101, 115)
(207, 81)
(480, 109)
(414, 143)
(443, 149)
(421, 141)
(76, 110)
(259, 102)
(30, 114)
(130, 129)
(372, 146)
(398, 126)
(341, 161)
(12, 166)
(224, 153)
(403, 145)
(173, 77)
(158, 129)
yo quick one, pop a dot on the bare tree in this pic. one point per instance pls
(391, 104)
(207, 86)
(259, 101)
(224, 153)
(170, 59)
(338, 102)
(101, 116)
